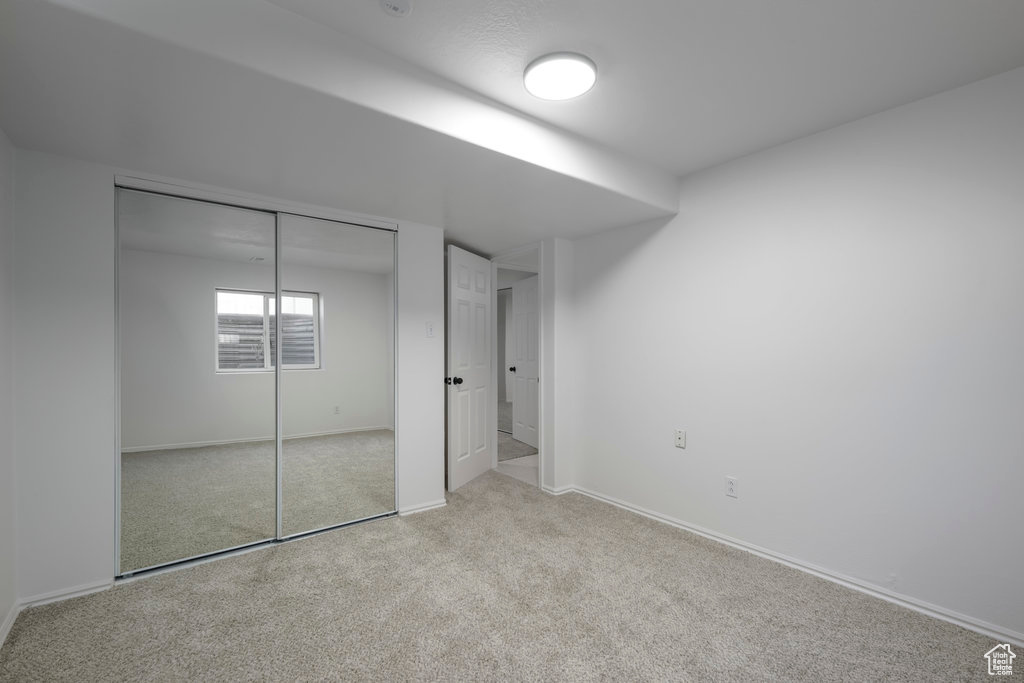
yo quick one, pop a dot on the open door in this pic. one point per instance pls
(469, 366)
(526, 384)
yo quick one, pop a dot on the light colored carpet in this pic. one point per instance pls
(506, 583)
(524, 469)
(504, 416)
(509, 448)
(184, 502)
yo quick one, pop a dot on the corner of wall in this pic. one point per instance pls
(8, 490)
(809, 318)
(557, 263)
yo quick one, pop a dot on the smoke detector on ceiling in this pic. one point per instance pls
(396, 8)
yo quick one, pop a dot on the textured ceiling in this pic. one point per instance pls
(425, 118)
(246, 96)
(686, 84)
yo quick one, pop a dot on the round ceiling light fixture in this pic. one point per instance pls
(560, 76)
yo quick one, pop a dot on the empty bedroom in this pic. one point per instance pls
(517, 340)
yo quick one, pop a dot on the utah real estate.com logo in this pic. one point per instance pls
(1000, 660)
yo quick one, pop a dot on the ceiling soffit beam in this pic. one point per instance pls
(281, 44)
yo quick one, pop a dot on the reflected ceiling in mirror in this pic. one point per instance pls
(171, 225)
(331, 244)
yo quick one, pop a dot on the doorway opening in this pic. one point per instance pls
(494, 377)
(517, 342)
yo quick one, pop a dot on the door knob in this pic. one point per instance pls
(512, 369)
(456, 380)
(447, 380)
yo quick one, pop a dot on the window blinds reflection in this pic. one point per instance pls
(247, 326)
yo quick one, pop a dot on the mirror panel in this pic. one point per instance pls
(337, 378)
(198, 451)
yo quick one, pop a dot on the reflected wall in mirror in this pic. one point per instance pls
(198, 395)
(337, 379)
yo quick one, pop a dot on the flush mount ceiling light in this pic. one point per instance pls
(560, 76)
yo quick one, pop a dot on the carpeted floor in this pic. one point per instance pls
(524, 469)
(504, 416)
(180, 503)
(509, 448)
(505, 583)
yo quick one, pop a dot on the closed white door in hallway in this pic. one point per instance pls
(526, 374)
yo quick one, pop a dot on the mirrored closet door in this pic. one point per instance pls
(337, 398)
(245, 420)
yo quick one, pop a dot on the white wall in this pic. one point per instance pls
(168, 312)
(421, 418)
(559, 366)
(8, 586)
(838, 323)
(65, 378)
(507, 278)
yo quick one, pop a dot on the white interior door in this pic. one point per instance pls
(469, 366)
(526, 321)
(510, 350)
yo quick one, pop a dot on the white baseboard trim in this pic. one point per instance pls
(423, 507)
(8, 622)
(65, 593)
(1000, 633)
(224, 442)
(561, 490)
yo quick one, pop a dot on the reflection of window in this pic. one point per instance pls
(247, 328)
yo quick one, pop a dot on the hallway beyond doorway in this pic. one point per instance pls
(517, 459)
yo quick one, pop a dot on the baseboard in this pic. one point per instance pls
(1000, 633)
(8, 622)
(561, 490)
(225, 442)
(44, 598)
(64, 594)
(423, 507)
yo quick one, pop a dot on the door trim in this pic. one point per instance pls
(243, 200)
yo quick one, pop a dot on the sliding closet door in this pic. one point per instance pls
(198, 456)
(337, 374)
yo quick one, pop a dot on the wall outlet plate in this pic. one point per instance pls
(732, 487)
(680, 438)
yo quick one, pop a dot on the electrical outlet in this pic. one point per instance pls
(732, 487)
(680, 438)
(337, 410)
